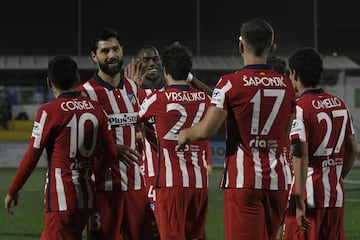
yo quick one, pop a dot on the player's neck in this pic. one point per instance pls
(251, 59)
(176, 82)
(152, 84)
(114, 80)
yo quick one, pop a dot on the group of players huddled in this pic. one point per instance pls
(130, 158)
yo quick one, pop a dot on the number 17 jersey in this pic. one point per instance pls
(259, 103)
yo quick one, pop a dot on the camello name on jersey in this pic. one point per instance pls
(326, 103)
(185, 96)
(265, 81)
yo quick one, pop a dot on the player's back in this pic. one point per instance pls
(174, 109)
(259, 102)
(328, 117)
(327, 123)
(76, 122)
(71, 128)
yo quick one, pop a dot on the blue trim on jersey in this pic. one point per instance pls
(69, 95)
(258, 67)
(160, 85)
(181, 87)
(313, 91)
(107, 85)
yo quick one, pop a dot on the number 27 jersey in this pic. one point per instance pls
(323, 121)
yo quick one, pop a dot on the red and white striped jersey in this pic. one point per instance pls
(176, 108)
(121, 105)
(259, 102)
(149, 153)
(323, 121)
(72, 129)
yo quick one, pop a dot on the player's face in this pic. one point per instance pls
(150, 63)
(109, 56)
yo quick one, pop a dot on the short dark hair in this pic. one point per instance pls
(308, 64)
(258, 34)
(144, 47)
(277, 64)
(62, 72)
(177, 60)
(102, 35)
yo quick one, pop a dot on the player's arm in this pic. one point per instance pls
(26, 167)
(351, 153)
(289, 124)
(206, 128)
(300, 164)
(196, 83)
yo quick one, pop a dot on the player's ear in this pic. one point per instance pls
(241, 47)
(273, 47)
(77, 79)
(49, 84)
(93, 56)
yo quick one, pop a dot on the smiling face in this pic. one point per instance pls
(109, 56)
(150, 62)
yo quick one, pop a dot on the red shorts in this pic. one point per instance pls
(65, 224)
(326, 223)
(122, 213)
(181, 212)
(245, 207)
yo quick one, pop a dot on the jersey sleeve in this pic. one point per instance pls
(298, 129)
(147, 107)
(218, 98)
(32, 154)
(107, 142)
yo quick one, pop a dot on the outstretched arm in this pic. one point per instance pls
(196, 83)
(205, 129)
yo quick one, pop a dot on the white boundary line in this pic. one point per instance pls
(352, 181)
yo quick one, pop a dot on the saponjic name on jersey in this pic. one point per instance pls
(265, 81)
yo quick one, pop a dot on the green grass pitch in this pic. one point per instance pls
(26, 223)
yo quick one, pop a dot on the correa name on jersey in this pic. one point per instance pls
(76, 105)
(326, 103)
(122, 119)
(185, 96)
(265, 81)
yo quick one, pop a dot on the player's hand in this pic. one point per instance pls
(132, 71)
(182, 141)
(127, 155)
(301, 219)
(8, 200)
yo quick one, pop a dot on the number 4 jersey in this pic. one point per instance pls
(259, 103)
(73, 130)
(323, 121)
